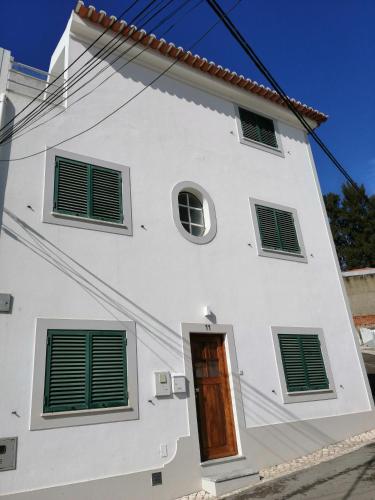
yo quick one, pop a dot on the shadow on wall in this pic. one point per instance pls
(5, 155)
(167, 84)
(299, 438)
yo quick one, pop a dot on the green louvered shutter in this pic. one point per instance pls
(71, 187)
(267, 131)
(108, 370)
(257, 128)
(66, 371)
(88, 191)
(267, 224)
(277, 229)
(106, 201)
(85, 369)
(303, 362)
(314, 363)
(287, 231)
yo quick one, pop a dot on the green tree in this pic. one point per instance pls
(352, 219)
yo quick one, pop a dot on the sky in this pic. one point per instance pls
(321, 52)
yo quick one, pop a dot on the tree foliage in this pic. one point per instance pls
(352, 219)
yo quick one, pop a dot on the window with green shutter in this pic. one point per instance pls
(303, 362)
(277, 229)
(257, 128)
(88, 191)
(85, 369)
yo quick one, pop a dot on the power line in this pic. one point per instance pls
(128, 101)
(77, 77)
(79, 74)
(69, 66)
(262, 68)
(179, 8)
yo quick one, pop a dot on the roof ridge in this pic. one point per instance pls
(195, 61)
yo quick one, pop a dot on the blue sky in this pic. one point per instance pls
(321, 52)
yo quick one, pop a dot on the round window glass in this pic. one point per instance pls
(191, 213)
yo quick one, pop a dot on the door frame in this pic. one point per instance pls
(233, 378)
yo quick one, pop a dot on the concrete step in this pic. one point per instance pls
(219, 484)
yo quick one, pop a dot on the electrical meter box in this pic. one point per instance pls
(5, 302)
(8, 453)
(163, 386)
(179, 384)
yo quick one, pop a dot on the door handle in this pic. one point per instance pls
(197, 389)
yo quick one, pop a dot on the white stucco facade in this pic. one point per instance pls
(181, 129)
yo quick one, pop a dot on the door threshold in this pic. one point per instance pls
(224, 460)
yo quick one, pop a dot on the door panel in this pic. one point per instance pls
(213, 399)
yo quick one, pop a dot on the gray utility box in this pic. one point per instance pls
(8, 453)
(5, 302)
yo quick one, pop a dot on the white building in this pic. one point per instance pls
(188, 229)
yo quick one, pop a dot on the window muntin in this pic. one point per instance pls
(303, 362)
(277, 229)
(191, 213)
(87, 191)
(257, 128)
(84, 370)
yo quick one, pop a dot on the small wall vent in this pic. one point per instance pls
(8, 453)
(156, 478)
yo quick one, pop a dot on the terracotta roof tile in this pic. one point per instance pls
(368, 320)
(195, 61)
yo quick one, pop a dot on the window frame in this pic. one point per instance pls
(311, 394)
(49, 420)
(268, 252)
(209, 213)
(51, 216)
(279, 151)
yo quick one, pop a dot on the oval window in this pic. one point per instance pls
(193, 212)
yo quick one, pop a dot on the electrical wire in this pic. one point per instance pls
(262, 68)
(14, 138)
(128, 101)
(69, 66)
(77, 77)
(83, 71)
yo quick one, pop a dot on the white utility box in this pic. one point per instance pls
(163, 386)
(179, 384)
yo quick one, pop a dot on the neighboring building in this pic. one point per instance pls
(360, 286)
(178, 314)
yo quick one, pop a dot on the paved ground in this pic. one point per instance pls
(317, 475)
(351, 476)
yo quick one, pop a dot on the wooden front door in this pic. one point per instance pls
(212, 394)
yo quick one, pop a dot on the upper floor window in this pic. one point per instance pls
(277, 231)
(191, 213)
(257, 128)
(86, 193)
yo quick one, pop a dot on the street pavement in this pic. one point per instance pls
(351, 476)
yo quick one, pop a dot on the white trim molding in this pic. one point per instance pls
(299, 397)
(40, 420)
(277, 254)
(52, 217)
(208, 212)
